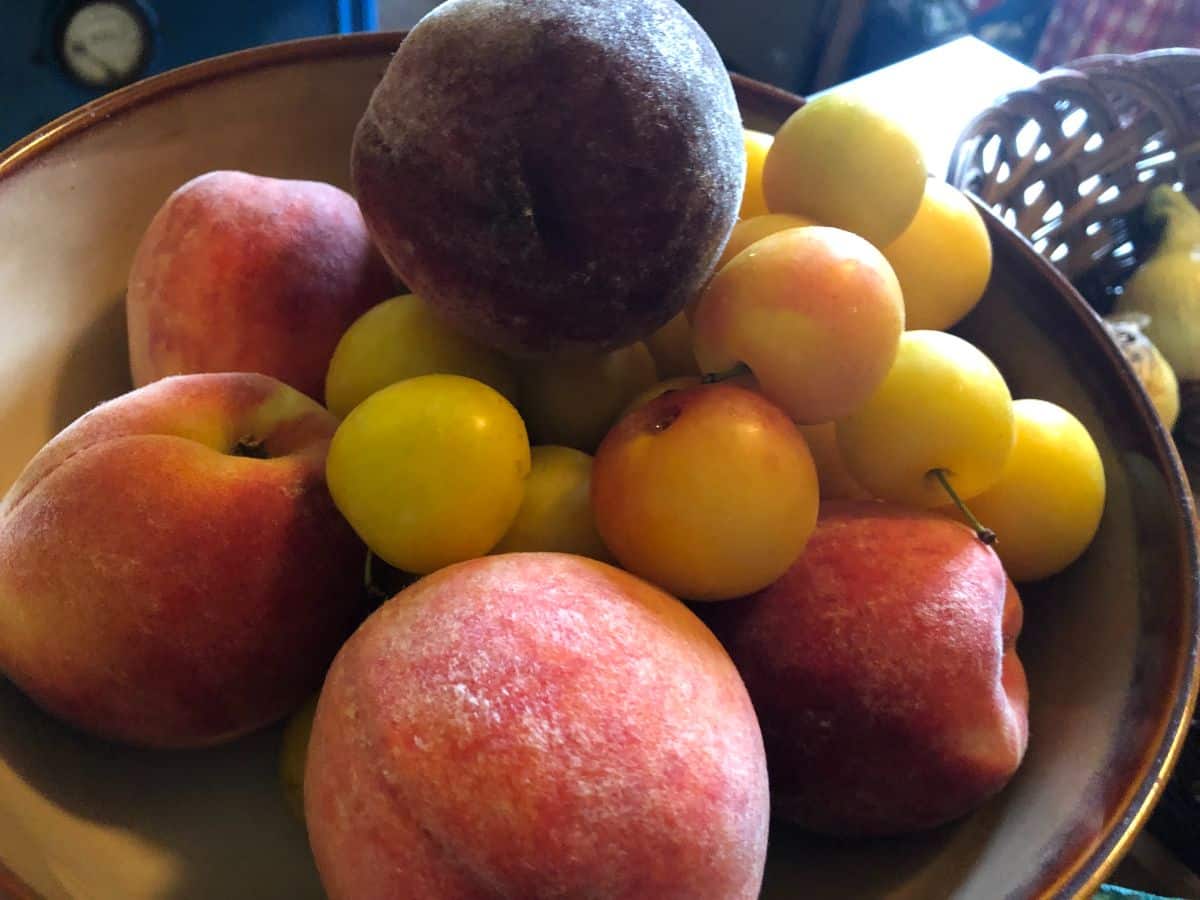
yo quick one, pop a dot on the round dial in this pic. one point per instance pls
(106, 43)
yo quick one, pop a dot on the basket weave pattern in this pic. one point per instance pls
(1069, 161)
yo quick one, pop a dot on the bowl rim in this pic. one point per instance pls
(125, 99)
(1109, 845)
(1092, 862)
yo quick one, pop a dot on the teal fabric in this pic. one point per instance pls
(1112, 892)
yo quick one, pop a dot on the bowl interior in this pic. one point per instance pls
(1108, 644)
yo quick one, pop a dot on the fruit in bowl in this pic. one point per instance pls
(240, 272)
(884, 671)
(585, 184)
(709, 491)
(173, 572)
(536, 725)
(1020, 829)
(815, 314)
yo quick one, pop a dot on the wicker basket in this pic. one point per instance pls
(1068, 163)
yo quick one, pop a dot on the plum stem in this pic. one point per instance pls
(986, 535)
(732, 372)
(374, 591)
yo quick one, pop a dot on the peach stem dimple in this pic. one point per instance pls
(250, 447)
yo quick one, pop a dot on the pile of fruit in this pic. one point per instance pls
(664, 433)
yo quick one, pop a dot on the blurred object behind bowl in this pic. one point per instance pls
(63, 53)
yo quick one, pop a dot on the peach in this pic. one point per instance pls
(173, 572)
(816, 313)
(535, 725)
(883, 671)
(243, 273)
(555, 176)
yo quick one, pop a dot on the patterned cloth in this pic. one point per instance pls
(1079, 28)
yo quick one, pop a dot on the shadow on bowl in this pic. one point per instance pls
(188, 825)
(91, 372)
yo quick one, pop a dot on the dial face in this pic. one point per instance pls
(105, 43)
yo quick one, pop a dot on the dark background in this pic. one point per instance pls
(802, 45)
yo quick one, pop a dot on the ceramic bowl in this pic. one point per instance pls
(1109, 645)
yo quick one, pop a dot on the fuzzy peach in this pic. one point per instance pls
(244, 273)
(173, 572)
(884, 673)
(553, 177)
(535, 725)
